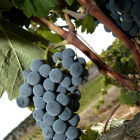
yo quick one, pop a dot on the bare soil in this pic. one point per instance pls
(88, 115)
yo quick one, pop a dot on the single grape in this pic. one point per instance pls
(25, 73)
(56, 56)
(76, 108)
(76, 95)
(34, 98)
(77, 81)
(106, 29)
(38, 114)
(118, 23)
(66, 82)
(115, 16)
(43, 125)
(72, 132)
(23, 102)
(135, 9)
(38, 90)
(36, 64)
(66, 114)
(128, 18)
(44, 70)
(25, 90)
(67, 61)
(124, 6)
(63, 99)
(74, 120)
(59, 136)
(49, 96)
(72, 88)
(38, 123)
(49, 119)
(56, 75)
(68, 52)
(39, 103)
(126, 26)
(81, 60)
(54, 108)
(134, 31)
(85, 74)
(112, 6)
(137, 19)
(60, 126)
(49, 85)
(48, 132)
(61, 89)
(34, 78)
(76, 69)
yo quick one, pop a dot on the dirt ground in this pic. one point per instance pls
(88, 115)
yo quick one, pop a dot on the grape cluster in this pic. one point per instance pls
(55, 94)
(125, 13)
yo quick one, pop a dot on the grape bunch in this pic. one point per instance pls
(55, 95)
(125, 13)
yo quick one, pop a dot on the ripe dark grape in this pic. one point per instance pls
(39, 103)
(66, 82)
(72, 88)
(106, 29)
(43, 125)
(112, 6)
(124, 6)
(76, 95)
(38, 123)
(134, 31)
(61, 89)
(38, 114)
(76, 69)
(74, 120)
(25, 90)
(66, 114)
(49, 119)
(67, 61)
(48, 132)
(115, 16)
(137, 19)
(56, 75)
(126, 26)
(49, 85)
(38, 90)
(85, 74)
(57, 56)
(135, 9)
(36, 64)
(128, 18)
(63, 99)
(60, 126)
(22, 102)
(76, 81)
(44, 70)
(25, 73)
(68, 52)
(54, 108)
(49, 96)
(81, 60)
(59, 137)
(34, 78)
(72, 132)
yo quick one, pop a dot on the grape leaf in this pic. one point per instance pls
(17, 51)
(129, 98)
(69, 2)
(38, 8)
(6, 4)
(87, 24)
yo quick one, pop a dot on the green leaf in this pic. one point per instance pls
(87, 24)
(49, 35)
(17, 51)
(38, 8)
(129, 98)
(6, 4)
(69, 2)
(89, 134)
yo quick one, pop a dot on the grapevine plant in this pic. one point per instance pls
(19, 48)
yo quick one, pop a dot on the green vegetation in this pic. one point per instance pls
(91, 92)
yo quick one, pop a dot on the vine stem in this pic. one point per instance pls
(97, 13)
(110, 117)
